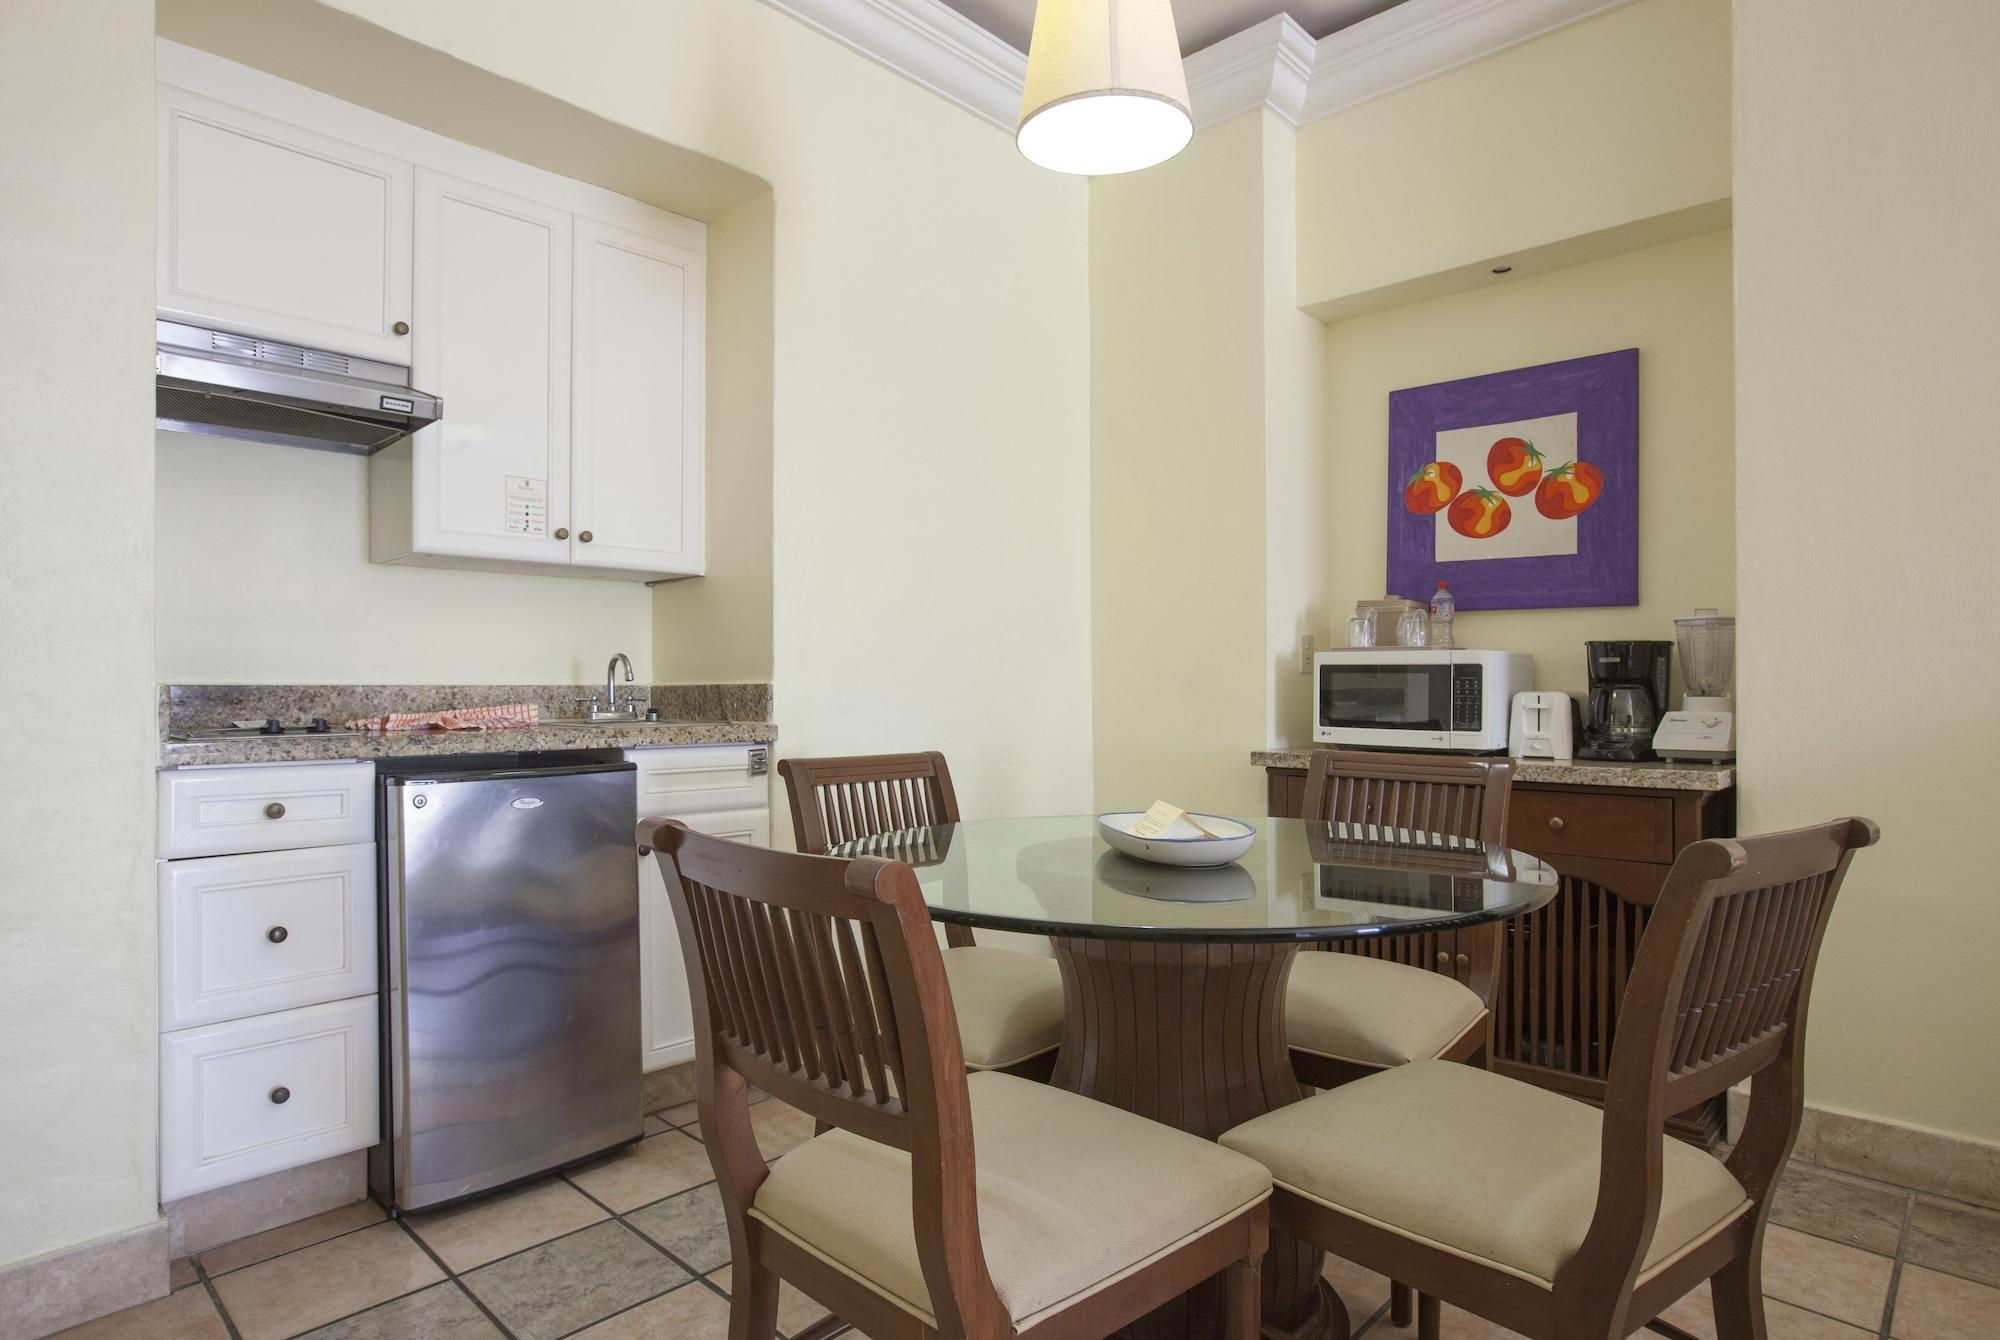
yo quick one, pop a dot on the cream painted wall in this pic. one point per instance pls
(264, 578)
(78, 1043)
(1177, 491)
(929, 405)
(1673, 303)
(1866, 328)
(1619, 119)
(718, 629)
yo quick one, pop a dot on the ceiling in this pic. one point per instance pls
(1201, 23)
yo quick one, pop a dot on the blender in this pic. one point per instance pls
(1704, 729)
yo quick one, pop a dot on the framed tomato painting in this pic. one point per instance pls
(1519, 488)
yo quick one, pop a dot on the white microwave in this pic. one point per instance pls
(1436, 698)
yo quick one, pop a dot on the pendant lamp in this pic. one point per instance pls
(1106, 92)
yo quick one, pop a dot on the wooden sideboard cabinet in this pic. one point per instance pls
(1561, 971)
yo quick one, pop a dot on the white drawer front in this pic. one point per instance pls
(243, 935)
(242, 1099)
(699, 779)
(219, 811)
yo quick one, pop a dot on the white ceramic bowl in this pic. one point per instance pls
(1181, 844)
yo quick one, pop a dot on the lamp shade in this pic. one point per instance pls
(1106, 91)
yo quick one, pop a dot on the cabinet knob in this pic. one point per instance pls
(1444, 958)
(281, 1094)
(401, 327)
(275, 810)
(562, 532)
(1463, 960)
(583, 535)
(277, 935)
(1555, 821)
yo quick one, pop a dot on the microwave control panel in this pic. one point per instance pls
(1467, 697)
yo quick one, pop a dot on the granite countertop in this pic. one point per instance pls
(1578, 772)
(740, 712)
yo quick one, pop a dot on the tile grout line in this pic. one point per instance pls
(449, 1275)
(1896, 1268)
(215, 1301)
(289, 1251)
(693, 1276)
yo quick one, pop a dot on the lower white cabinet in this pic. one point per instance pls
(253, 1096)
(722, 790)
(265, 931)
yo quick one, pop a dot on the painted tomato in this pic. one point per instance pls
(1568, 490)
(1432, 487)
(1479, 514)
(1514, 466)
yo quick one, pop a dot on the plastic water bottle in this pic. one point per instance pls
(1443, 608)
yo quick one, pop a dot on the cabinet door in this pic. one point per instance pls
(668, 1024)
(491, 479)
(266, 229)
(637, 453)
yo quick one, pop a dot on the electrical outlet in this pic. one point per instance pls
(1305, 653)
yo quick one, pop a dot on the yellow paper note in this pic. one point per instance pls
(1157, 819)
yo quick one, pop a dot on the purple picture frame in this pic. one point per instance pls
(1603, 391)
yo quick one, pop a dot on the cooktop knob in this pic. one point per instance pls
(272, 726)
(320, 726)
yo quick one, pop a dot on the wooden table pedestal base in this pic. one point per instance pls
(1192, 1034)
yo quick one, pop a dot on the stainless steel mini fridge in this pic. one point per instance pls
(510, 970)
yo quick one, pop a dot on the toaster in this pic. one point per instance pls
(1544, 726)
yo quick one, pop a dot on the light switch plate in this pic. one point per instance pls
(1305, 653)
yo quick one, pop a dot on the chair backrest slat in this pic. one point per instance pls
(1411, 797)
(840, 800)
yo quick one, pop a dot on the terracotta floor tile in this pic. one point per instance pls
(636, 1175)
(1695, 1314)
(562, 1286)
(796, 1311)
(495, 1226)
(263, 1246)
(1360, 1288)
(1956, 1239)
(325, 1282)
(181, 1273)
(1933, 1306)
(187, 1315)
(683, 1115)
(691, 1312)
(1841, 1207)
(654, 1124)
(441, 1312)
(692, 1226)
(780, 1129)
(1826, 1277)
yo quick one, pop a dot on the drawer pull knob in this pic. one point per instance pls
(1444, 957)
(562, 532)
(281, 1094)
(583, 535)
(401, 327)
(277, 935)
(1464, 960)
(275, 810)
(1555, 821)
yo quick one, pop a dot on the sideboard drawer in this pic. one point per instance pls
(1575, 822)
(680, 780)
(241, 1099)
(219, 811)
(243, 935)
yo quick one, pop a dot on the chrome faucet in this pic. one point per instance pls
(611, 680)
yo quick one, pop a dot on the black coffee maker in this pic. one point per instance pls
(1628, 696)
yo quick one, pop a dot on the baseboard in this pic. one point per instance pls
(668, 1087)
(72, 1285)
(227, 1213)
(1953, 1166)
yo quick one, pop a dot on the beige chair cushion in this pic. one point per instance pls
(1010, 1004)
(1375, 1012)
(1486, 1167)
(1073, 1195)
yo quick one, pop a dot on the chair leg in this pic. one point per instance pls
(1402, 1304)
(753, 1302)
(1429, 1317)
(1243, 1291)
(1738, 1291)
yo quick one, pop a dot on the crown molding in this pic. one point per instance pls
(1274, 64)
(928, 43)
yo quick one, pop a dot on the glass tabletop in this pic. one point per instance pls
(1299, 881)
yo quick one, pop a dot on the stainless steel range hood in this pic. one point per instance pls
(224, 385)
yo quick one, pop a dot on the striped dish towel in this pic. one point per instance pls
(508, 716)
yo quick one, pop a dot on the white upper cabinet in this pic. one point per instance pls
(637, 474)
(272, 230)
(491, 480)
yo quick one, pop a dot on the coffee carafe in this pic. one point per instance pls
(1628, 696)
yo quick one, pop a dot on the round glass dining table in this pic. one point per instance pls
(1174, 978)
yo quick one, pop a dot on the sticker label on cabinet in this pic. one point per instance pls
(527, 505)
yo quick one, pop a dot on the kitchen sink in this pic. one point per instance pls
(582, 721)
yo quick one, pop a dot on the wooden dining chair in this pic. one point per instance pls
(1010, 1004)
(1538, 1212)
(1363, 1008)
(940, 1203)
